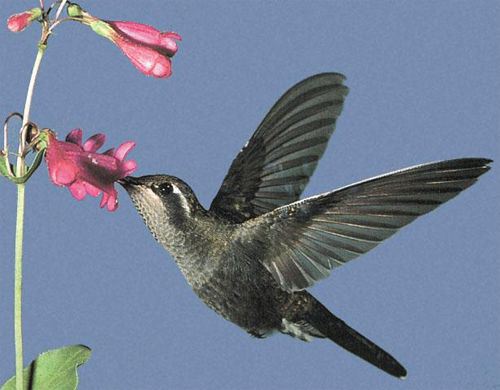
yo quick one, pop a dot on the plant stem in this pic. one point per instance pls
(59, 10)
(27, 109)
(18, 286)
(18, 272)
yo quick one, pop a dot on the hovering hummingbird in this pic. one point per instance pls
(251, 256)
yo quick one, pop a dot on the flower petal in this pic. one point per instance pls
(104, 200)
(75, 137)
(162, 68)
(112, 202)
(167, 41)
(123, 150)
(148, 60)
(92, 190)
(128, 167)
(172, 35)
(94, 142)
(78, 190)
(63, 174)
(143, 34)
(139, 32)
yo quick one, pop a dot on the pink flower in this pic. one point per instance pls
(147, 35)
(86, 172)
(19, 22)
(147, 48)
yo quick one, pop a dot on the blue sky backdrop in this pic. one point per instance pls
(424, 86)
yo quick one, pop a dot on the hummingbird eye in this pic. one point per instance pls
(162, 189)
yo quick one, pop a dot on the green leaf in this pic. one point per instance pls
(30, 169)
(54, 369)
(38, 146)
(3, 165)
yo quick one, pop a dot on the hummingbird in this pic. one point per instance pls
(252, 254)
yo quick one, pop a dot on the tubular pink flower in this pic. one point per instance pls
(147, 48)
(86, 172)
(149, 61)
(18, 22)
(147, 35)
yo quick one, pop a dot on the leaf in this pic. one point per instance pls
(54, 369)
(3, 165)
(32, 168)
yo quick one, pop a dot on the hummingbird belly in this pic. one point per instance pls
(243, 292)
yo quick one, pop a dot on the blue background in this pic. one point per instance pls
(425, 86)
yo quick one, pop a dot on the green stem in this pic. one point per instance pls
(18, 286)
(18, 271)
(27, 109)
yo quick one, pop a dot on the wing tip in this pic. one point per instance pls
(336, 79)
(467, 162)
(486, 162)
(396, 370)
(328, 74)
(481, 163)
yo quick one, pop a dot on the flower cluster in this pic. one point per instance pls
(85, 171)
(149, 49)
(71, 163)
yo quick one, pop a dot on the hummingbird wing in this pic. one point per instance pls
(305, 240)
(274, 166)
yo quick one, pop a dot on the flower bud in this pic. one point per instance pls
(18, 22)
(74, 10)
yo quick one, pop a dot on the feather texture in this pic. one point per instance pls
(275, 165)
(307, 239)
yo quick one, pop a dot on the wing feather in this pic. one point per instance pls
(275, 165)
(307, 239)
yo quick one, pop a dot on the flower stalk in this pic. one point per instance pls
(18, 287)
(21, 166)
(20, 171)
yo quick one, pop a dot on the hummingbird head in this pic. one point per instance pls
(164, 202)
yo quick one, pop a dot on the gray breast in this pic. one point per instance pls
(241, 290)
(226, 273)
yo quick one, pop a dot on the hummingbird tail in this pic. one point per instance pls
(340, 333)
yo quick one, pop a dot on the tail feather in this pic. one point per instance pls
(340, 333)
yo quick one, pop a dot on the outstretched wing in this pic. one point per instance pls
(274, 167)
(305, 240)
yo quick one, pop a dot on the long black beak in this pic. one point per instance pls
(129, 181)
